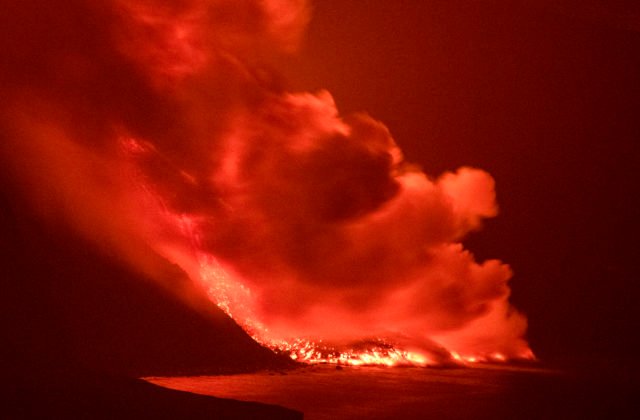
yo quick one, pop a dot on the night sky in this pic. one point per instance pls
(546, 99)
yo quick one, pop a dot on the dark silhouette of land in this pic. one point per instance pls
(79, 325)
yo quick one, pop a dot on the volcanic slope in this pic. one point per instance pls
(78, 324)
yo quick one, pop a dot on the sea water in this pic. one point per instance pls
(328, 392)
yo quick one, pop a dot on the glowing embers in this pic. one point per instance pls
(378, 352)
(490, 358)
(223, 291)
(363, 353)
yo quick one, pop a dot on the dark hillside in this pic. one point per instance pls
(76, 322)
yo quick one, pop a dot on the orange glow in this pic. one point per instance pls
(380, 354)
(236, 298)
(442, 335)
(305, 226)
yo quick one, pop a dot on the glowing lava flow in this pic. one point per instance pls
(233, 297)
(230, 296)
(376, 352)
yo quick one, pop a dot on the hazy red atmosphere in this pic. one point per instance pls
(352, 182)
(162, 123)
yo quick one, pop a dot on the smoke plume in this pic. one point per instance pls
(158, 123)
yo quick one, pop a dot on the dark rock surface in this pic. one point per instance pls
(81, 396)
(79, 324)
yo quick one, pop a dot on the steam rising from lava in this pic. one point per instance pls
(156, 123)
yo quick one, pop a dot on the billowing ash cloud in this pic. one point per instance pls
(154, 122)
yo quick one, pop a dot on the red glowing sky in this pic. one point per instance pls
(291, 198)
(544, 97)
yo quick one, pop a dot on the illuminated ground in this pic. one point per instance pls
(324, 392)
